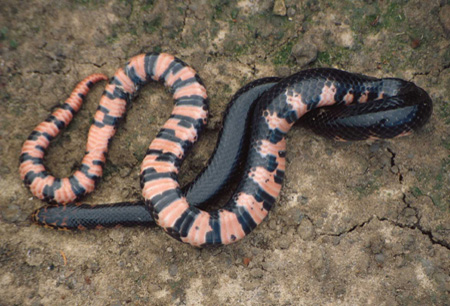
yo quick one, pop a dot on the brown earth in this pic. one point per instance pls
(356, 223)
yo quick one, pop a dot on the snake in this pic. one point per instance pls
(252, 150)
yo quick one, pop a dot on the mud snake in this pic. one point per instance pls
(363, 107)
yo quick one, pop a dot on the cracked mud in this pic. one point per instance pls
(356, 223)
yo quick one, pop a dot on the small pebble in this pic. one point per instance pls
(34, 258)
(173, 270)
(379, 258)
(268, 266)
(272, 224)
(246, 261)
(394, 169)
(444, 16)
(374, 147)
(295, 216)
(279, 8)
(12, 213)
(283, 71)
(306, 230)
(304, 52)
(400, 262)
(257, 273)
(284, 243)
(415, 43)
(291, 12)
(303, 200)
(409, 243)
(250, 286)
(6, 279)
(409, 212)
(336, 240)
(117, 236)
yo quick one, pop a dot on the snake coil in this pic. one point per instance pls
(363, 108)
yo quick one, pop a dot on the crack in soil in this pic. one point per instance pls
(394, 168)
(251, 66)
(417, 225)
(185, 16)
(353, 228)
(439, 71)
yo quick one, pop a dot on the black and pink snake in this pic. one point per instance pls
(252, 145)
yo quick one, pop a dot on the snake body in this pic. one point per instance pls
(363, 107)
(221, 170)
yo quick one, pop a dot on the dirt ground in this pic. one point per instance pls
(356, 223)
